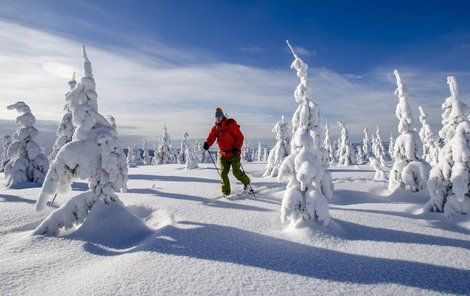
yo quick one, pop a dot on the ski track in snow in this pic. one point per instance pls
(175, 239)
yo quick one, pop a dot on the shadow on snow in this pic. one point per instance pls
(233, 245)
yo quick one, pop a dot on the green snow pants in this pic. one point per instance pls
(225, 164)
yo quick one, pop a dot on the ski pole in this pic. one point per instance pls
(249, 184)
(213, 161)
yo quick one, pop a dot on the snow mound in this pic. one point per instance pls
(112, 225)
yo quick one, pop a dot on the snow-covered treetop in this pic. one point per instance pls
(26, 119)
(301, 92)
(86, 64)
(281, 130)
(454, 110)
(72, 82)
(403, 111)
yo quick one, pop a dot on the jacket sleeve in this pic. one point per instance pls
(212, 136)
(235, 129)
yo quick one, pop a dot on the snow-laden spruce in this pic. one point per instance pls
(449, 179)
(379, 169)
(280, 150)
(27, 162)
(138, 159)
(94, 154)
(346, 152)
(378, 148)
(265, 154)
(391, 148)
(259, 152)
(429, 138)
(359, 155)
(409, 170)
(4, 159)
(130, 158)
(191, 159)
(309, 183)
(367, 145)
(163, 153)
(199, 152)
(247, 153)
(184, 146)
(65, 130)
(329, 145)
(146, 158)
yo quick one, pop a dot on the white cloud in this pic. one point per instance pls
(152, 84)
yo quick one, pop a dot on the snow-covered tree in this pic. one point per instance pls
(94, 154)
(309, 183)
(191, 160)
(247, 154)
(409, 170)
(346, 152)
(280, 150)
(4, 159)
(131, 157)
(65, 130)
(199, 152)
(367, 145)
(391, 147)
(163, 153)
(27, 163)
(429, 138)
(265, 154)
(328, 144)
(379, 169)
(147, 159)
(259, 153)
(182, 153)
(359, 155)
(378, 148)
(449, 179)
(138, 159)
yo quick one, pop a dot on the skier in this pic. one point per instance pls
(230, 140)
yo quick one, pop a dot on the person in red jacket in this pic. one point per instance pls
(230, 140)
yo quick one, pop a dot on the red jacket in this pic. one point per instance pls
(228, 136)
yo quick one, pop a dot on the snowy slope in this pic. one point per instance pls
(175, 239)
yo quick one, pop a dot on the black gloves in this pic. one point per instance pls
(205, 146)
(235, 151)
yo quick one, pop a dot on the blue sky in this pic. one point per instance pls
(174, 61)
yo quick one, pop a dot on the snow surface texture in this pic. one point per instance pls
(429, 138)
(280, 150)
(309, 185)
(345, 151)
(163, 153)
(409, 170)
(65, 130)
(449, 179)
(27, 163)
(94, 154)
(173, 239)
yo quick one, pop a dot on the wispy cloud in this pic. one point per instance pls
(153, 83)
